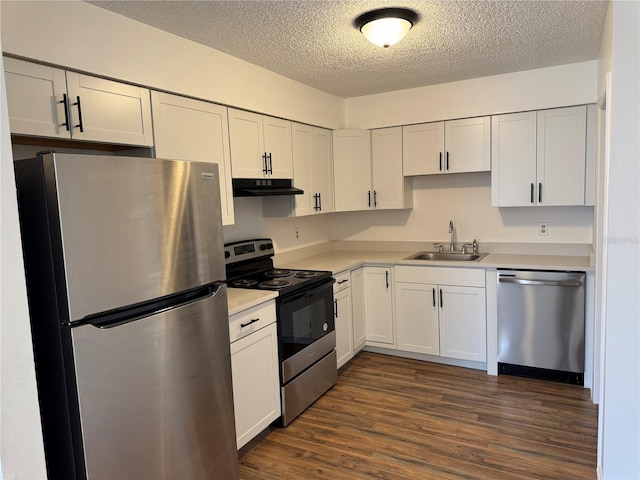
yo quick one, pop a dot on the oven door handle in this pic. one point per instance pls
(307, 292)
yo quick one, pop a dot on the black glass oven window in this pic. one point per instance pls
(305, 319)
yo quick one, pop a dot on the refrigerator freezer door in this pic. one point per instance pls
(155, 395)
(133, 229)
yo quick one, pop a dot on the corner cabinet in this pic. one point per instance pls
(378, 306)
(357, 309)
(44, 101)
(454, 146)
(541, 158)
(312, 172)
(254, 370)
(368, 170)
(441, 311)
(260, 145)
(187, 129)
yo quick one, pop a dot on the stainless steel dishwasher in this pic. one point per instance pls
(541, 324)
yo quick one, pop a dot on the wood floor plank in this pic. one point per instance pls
(394, 418)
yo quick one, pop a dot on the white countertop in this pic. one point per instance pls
(337, 261)
(240, 299)
(340, 260)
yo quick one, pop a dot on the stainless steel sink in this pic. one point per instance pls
(446, 256)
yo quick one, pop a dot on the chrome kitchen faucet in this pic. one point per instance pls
(451, 245)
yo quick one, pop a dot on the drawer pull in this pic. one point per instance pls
(343, 281)
(253, 320)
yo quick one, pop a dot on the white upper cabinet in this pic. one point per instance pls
(539, 158)
(322, 165)
(390, 189)
(187, 129)
(352, 169)
(513, 163)
(368, 170)
(260, 145)
(561, 156)
(423, 148)
(49, 102)
(454, 146)
(312, 173)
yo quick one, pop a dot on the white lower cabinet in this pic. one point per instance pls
(417, 318)
(463, 323)
(342, 314)
(357, 309)
(378, 306)
(441, 311)
(254, 369)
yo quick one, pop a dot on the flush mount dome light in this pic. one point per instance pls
(386, 26)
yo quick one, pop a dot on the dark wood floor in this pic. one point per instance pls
(394, 418)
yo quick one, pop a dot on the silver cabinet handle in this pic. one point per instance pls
(551, 283)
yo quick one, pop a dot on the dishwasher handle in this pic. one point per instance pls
(550, 283)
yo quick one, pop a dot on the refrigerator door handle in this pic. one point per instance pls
(128, 314)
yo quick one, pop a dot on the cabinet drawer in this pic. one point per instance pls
(253, 319)
(343, 280)
(468, 277)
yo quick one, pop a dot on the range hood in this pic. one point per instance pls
(263, 187)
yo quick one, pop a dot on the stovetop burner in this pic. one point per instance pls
(244, 283)
(276, 284)
(278, 273)
(306, 274)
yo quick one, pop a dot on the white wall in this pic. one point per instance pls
(465, 199)
(21, 448)
(572, 84)
(250, 223)
(620, 408)
(81, 36)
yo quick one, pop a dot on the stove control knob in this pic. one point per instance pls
(263, 246)
(270, 246)
(325, 327)
(226, 254)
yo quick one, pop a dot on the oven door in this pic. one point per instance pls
(306, 328)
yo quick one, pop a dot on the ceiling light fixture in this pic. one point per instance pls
(386, 26)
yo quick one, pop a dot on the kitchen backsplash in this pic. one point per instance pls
(463, 198)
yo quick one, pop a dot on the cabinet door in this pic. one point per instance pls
(109, 112)
(357, 309)
(344, 335)
(35, 99)
(352, 169)
(417, 318)
(513, 159)
(423, 149)
(561, 156)
(303, 169)
(386, 163)
(256, 382)
(468, 145)
(187, 129)
(277, 144)
(247, 144)
(378, 310)
(322, 162)
(463, 326)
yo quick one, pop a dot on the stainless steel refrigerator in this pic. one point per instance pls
(125, 271)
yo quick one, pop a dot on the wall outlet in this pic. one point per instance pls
(297, 231)
(543, 229)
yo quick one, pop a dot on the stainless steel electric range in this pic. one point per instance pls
(305, 321)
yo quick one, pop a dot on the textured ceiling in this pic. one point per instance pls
(315, 43)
